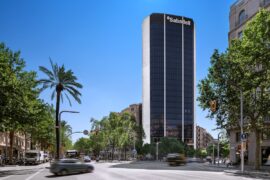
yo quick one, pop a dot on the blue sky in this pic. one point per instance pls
(101, 41)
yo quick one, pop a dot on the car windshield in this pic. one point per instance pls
(70, 161)
(31, 155)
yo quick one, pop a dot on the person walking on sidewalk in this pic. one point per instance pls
(1, 160)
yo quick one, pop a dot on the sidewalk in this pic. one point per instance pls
(254, 174)
(18, 168)
(248, 171)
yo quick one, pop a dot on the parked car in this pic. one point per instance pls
(70, 166)
(87, 159)
(176, 159)
(34, 157)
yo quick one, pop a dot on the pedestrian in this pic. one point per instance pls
(1, 161)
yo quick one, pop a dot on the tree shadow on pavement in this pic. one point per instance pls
(17, 172)
(157, 165)
(248, 176)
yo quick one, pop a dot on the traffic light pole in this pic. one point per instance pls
(157, 150)
(242, 142)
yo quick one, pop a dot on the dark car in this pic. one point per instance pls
(70, 166)
(87, 159)
(176, 159)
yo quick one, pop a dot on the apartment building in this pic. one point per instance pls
(18, 144)
(241, 12)
(203, 138)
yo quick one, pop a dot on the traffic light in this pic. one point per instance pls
(156, 139)
(213, 105)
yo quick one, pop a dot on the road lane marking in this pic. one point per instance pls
(5, 177)
(33, 175)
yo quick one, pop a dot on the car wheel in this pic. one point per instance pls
(89, 170)
(63, 172)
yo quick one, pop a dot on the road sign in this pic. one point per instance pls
(134, 151)
(85, 132)
(156, 139)
(244, 137)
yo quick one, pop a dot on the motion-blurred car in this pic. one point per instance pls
(87, 159)
(70, 166)
(176, 159)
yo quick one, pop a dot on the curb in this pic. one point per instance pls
(248, 173)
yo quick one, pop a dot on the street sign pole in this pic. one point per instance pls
(157, 150)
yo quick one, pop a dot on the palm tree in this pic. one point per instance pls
(62, 81)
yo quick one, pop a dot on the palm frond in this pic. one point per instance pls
(77, 85)
(53, 94)
(47, 72)
(68, 99)
(75, 96)
(55, 70)
(73, 89)
(58, 74)
(61, 96)
(41, 81)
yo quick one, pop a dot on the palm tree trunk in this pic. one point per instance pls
(57, 129)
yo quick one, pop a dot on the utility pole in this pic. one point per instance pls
(218, 147)
(157, 142)
(213, 153)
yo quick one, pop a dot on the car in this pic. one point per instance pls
(176, 159)
(87, 159)
(70, 166)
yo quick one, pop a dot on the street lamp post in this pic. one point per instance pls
(218, 146)
(58, 129)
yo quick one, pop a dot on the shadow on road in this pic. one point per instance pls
(153, 165)
(17, 172)
(248, 176)
(71, 174)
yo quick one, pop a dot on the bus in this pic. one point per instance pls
(72, 154)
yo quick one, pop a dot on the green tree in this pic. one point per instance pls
(83, 145)
(166, 145)
(201, 153)
(63, 82)
(66, 131)
(18, 94)
(244, 67)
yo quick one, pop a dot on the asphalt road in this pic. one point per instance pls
(135, 171)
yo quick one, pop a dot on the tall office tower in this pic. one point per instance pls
(168, 77)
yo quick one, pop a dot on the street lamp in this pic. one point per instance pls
(58, 129)
(85, 132)
(218, 147)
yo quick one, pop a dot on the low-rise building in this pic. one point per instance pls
(18, 144)
(136, 111)
(203, 138)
